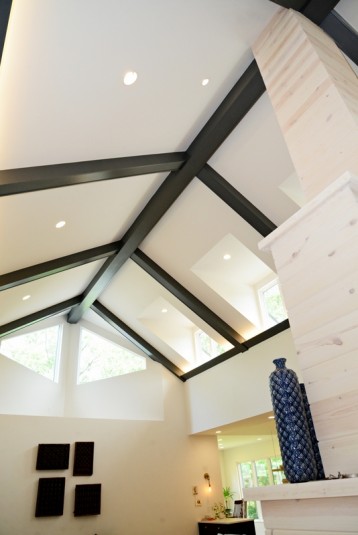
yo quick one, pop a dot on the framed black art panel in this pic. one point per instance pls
(50, 496)
(88, 499)
(83, 463)
(53, 456)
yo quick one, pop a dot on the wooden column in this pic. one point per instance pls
(314, 93)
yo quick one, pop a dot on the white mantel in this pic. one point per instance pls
(315, 508)
(328, 488)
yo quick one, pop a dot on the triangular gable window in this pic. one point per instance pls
(101, 359)
(37, 350)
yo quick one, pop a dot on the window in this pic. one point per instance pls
(259, 473)
(272, 306)
(207, 348)
(37, 350)
(101, 359)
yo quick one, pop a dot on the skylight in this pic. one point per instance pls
(101, 359)
(38, 350)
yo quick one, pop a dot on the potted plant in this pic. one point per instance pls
(228, 496)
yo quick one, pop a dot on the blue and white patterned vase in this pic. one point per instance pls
(315, 447)
(291, 423)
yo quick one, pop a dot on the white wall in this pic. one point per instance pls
(144, 457)
(146, 468)
(239, 387)
(135, 396)
(23, 391)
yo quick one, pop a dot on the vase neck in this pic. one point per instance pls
(280, 363)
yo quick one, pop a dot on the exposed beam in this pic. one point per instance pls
(45, 269)
(297, 5)
(233, 108)
(69, 174)
(134, 338)
(269, 333)
(317, 11)
(323, 14)
(280, 327)
(345, 37)
(5, 8)
(26, 321)
(211, 363)
(188, 299)
(227, 193)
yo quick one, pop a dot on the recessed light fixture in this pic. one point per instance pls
(227, 256)
(130, 77)
(217, 432)
(271, 417)
(205, 81)
(164, 310)
(60, 224)
(26, 297)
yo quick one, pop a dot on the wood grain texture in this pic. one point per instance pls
(314, 93)
(335, 515)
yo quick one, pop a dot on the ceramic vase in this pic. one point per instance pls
(315, 447)
(291, 423)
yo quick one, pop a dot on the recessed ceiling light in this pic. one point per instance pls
(217, 432)
(130, 77)
(164, 310)
(60, 224)
(205, 81)
(227, 256)
(271, 417)
(26, 297)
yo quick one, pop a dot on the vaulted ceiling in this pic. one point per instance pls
(156, 181)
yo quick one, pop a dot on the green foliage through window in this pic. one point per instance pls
(272, 304)
(259, 473)
(37, 350)
(101, 359)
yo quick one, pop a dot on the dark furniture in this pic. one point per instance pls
(243, 526)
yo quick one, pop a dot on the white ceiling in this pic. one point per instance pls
(62, 100)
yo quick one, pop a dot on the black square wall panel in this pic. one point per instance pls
(83, 463)
(53, 456)
(50, 496)
(88, 500)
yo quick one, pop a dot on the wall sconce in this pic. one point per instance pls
(207, 477)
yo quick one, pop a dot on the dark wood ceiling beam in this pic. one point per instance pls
(317, 11)
(230, 112)
(233, 198)
(31, 319)
(265, 335)
(323, 14)
(5, 8)
(13, 181)
(269, 333)
(45, 269)
(134, 338)
(345, 37)
(189, 300)
(211, 363)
